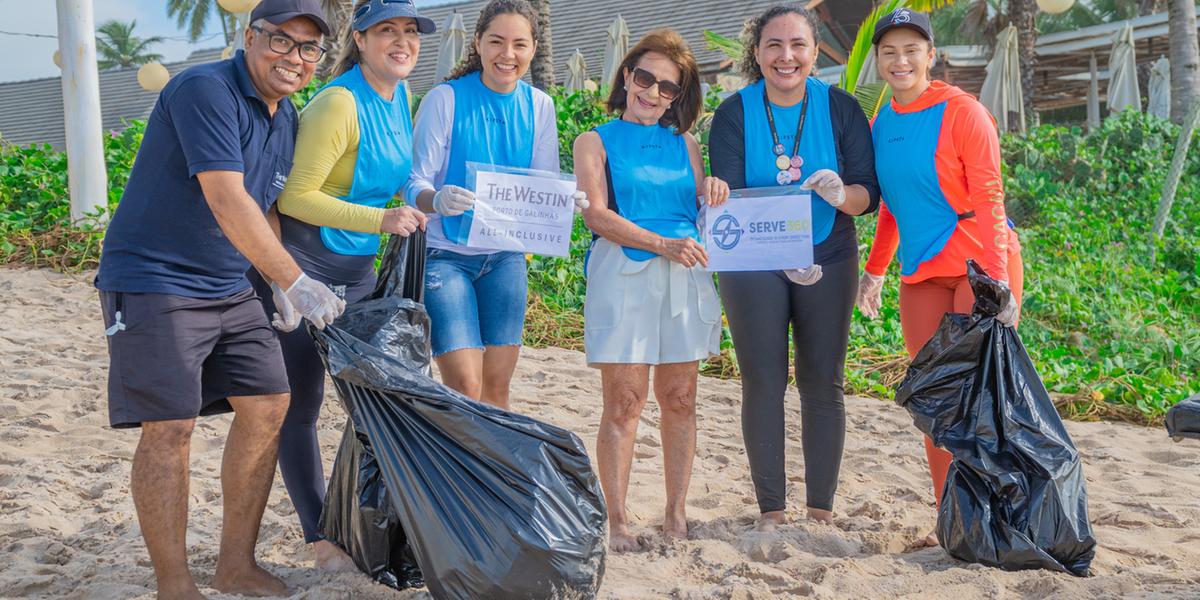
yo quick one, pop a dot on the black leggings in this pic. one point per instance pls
(760, 306)
(299, 449)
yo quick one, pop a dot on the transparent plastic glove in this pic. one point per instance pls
(581, 201)
(807, 276)
(1008, 313)
(285, 318)
(828, 184)
(870, 294)
(315, 301)
(451, 200)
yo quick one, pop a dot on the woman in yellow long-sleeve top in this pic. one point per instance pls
(353, 153)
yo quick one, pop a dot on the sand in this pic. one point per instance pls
(68, 529)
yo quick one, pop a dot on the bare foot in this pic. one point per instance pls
(820, 516)
(675, 525)
(770, 521)
(930, 540)
(329, 557)
(183, 591)
(620, 540)
(254, 581)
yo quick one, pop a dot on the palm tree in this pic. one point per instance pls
(193, 15)
(116, 46)
(1185, 58)
(541, 72)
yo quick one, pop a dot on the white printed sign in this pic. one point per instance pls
(760, 229)
(522, 213)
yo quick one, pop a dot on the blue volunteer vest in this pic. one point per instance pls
(652, 179)
(817, 145)
(489, 128)
(905, 155)
(384, 157)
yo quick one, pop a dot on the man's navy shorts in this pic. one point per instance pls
(180, 357)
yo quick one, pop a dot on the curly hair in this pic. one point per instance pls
(473, 63)
(748, 67)
(685, 109)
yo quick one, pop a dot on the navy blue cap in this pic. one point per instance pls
(278, 12)
(903, 17)
(381, 10)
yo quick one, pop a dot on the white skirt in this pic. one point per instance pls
(648, 312)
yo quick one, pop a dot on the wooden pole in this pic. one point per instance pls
(86, 177)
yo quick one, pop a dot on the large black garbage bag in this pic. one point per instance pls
(1183, 420)
(489, 504)
(1015, 495)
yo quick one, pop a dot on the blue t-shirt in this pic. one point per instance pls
(163, 238)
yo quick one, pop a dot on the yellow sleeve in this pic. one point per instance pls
(328, 130)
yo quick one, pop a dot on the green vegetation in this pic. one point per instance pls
(1111, 317)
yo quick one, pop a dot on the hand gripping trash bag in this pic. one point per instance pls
(1015, 495)
(481, 502)
(1183, 420)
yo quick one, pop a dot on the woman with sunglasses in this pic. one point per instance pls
(790, 129)
(353, 153)
(483, 113)
(938, 160)
(650, 303)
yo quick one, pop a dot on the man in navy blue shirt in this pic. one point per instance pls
(187, 335)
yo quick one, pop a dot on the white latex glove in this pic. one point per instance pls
(581, 201)
(451, 200)
(285, 318)
(807, 276)
(828, 184)
(1008, 312)
(870, 294)
(315, 301)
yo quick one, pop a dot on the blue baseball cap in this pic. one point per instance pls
(381, 10)
(278, 12)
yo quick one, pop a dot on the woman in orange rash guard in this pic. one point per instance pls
(937, 156)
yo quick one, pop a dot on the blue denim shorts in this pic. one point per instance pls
(475, 301)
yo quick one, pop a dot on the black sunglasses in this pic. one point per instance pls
(282, 43)
(667, 89)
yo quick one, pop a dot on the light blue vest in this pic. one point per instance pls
(905, 155)
(817, 146)
(489, 128)
(384, 157)
(653, 180)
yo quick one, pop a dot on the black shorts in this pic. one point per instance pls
(179, 357)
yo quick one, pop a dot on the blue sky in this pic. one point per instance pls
(30, 58)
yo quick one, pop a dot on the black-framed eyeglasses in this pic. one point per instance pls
(667, 89)
(282, 43)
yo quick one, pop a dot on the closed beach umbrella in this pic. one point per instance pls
(615, 47)
(1001, 91)
(1093, 97)
(1123, 89)
(576, 72)
(1160, 89)
(451, 50)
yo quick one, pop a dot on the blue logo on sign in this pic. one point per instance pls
(726, 232)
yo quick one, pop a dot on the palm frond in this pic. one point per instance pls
(872, 97)
(728, 46)
(862, 43)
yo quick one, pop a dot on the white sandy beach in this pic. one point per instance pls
(68, 529)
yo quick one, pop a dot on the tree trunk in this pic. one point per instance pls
(1022, 13)
(541, 71)
(1185, 58)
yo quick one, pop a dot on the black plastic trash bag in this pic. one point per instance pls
(1015, 495)
(1183, 420)
(486, 503)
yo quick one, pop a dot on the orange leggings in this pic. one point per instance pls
(922, 306)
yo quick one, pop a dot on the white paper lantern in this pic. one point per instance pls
(1055, 7)
(238, 7)
(57, 59)
(153, 77)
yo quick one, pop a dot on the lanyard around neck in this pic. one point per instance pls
(799, 125)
